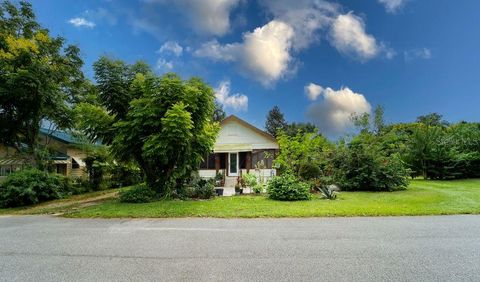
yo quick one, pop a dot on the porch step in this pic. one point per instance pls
(230, 181)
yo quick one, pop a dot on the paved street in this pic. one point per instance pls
(41, 248)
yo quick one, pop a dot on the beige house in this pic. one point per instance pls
(240, 148)
(67, 158)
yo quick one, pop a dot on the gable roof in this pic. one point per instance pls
(254, 128)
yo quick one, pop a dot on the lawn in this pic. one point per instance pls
(421, 198)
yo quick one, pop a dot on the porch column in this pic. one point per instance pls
(217, 162)
(249, 161)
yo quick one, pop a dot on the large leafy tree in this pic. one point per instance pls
(162, 123)
(275, 121)
(40, 78)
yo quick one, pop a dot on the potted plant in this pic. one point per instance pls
(238, 189)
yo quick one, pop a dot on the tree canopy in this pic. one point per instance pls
(40, 78)
(162, 123)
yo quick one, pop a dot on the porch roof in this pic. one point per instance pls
(226, 148)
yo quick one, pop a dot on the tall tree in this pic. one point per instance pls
(162, 123)
(275, 121)
(433, 119)
(218, 113)
(39, 78)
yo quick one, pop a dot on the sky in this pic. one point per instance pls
(320, 61)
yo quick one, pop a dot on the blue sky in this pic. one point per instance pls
(318, 60)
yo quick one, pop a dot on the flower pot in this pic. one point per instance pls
(219, 191)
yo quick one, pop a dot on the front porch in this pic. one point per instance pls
(232, 165)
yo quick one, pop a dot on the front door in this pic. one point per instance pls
(233, 164)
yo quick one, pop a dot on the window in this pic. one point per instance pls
(208, 162)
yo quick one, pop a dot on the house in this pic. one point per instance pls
(67, 157)
(240, 148)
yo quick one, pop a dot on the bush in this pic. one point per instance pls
(309, 171)
(287, 188)
(32, 186)
(197, 188)
(363, 167)
(140, 193)
(250, 179)
(123, 175)
(258, 188)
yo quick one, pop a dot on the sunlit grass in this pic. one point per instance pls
(421, 198)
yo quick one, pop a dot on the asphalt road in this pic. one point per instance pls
(441, 248)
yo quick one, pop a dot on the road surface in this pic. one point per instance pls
(43, 248)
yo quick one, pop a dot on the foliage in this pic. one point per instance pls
(250, 179)
(258, 188)
(305, 154)
(327, 192)
(32, 186)
(197, 188)
(122, 174)
(287, 188)
(362, 165)
(218, 113)
(291, 129)
(275, 121)
(140, 193)
(432, 119)
(161, 123)
(96, 164)
(40, 79)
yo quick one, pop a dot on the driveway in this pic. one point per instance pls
(42, 248)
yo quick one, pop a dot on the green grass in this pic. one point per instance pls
(62, 205)
(421, 198)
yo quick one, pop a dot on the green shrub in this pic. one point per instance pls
(287, 188)
(140, 193)
(32, 186)
(196, 188)
(123, 175)
(258, 188)
(309, 171)
(250, 179)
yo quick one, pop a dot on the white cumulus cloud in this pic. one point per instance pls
(313, 91)
(349, 37)
(171, 47)
(237, 102)
(81, 22)
(264, 53)
(333, 113)
(392, 6)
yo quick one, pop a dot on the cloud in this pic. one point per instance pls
(422, 53)
(333, 114)
(238, 102)
(268, 53)
(349, 37)
(171, 47)
(264, 53)
(210, 17)
(392, 6)
(217, 52)
(81, 22)
(163, 65)
(306, 17)
(313, 91)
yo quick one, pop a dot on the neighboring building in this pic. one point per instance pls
(67, 158)
(240, 148)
